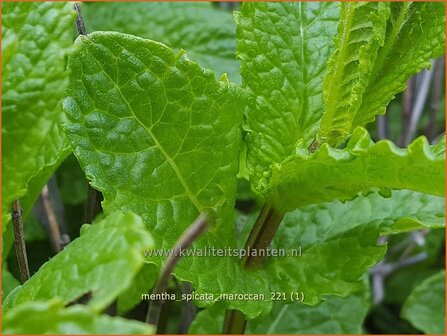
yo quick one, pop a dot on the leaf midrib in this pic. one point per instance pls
(171, 162)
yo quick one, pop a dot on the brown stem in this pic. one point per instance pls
(19, 241)
(53, 226)
(93, 205)
(234, 323)
(80, 26)
(259, 239)
(185, 240)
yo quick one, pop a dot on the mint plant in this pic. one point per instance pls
(166, 140)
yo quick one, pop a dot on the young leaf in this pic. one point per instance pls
(158, 135)
(284, 48)
(36, 40)
(101, 263)
(415, 34)
(425, 307)
(51, 317)
(361, 32)
(341, 174)
(206, 33)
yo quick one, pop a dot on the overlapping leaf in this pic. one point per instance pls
(157, 134)
(36, 38)
(284, 48)
(100, 264)
(50, 317)
(425, 307)
(341, 174)
(206, 33)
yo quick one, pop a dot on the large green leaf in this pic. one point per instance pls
(415, 34)
(284, 48)
(425, 307)
(51, 317)
(329, 174)
(361, 32)
(158, 135)
(36, 38)
(206, 33)
(101, 263)
(338, 240)
(336, 315)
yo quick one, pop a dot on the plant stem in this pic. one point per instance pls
(419, 103)
(259, 239)
(93, 205)
(407, 102)
(261, 235)
(53, 226)
(234, 323)
(80, 26)
(185, 240)
(431, 129)
(19, 241)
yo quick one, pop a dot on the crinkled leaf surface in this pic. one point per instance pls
(50, 317)
(362, 165)
(158, 135)
(102, 263)
(425, 307)
(206, 33)
(284, 48)
(338, 240)
(36, 40)
(415, 34)
(336, 315)
(361, 31)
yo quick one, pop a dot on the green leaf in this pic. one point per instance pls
(362, 166)
(335, 315)
(284, 48)
(415, 34)
(158, 135)
(100, 263)
(425, 307)
(361, 32)
(141, 284)
(51, 317)
(8, 282)
(37, 39)
(338, 240)
(206, 33)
